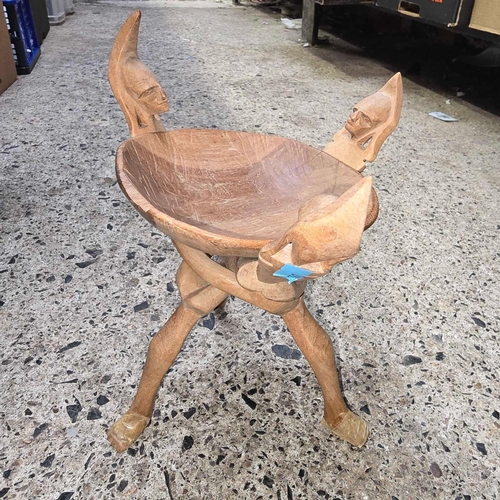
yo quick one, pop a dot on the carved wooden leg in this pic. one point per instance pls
(198, 299)
(317, 348)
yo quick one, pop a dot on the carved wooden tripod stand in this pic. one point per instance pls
(277, 211)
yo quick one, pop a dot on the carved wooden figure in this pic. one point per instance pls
(277, 212)
(372, 121)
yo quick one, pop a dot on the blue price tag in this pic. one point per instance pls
(292, 273)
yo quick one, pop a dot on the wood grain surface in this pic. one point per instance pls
(206, 184)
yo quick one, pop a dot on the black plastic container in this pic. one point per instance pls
(40, 18)
(25, 46)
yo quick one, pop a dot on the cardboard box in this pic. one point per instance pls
(486, 16)
(8, 73)
(343, 2)
(447, 12)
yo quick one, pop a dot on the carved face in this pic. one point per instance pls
(142, 85)
(154, 100)
(367, 116)
(359, 124)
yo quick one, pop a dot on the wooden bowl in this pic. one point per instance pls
(226, 192)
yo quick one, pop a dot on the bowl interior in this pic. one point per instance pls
(237, 184)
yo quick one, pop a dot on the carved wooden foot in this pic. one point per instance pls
(317, 348)
(126, 430)
(350, 428)
(198, 299)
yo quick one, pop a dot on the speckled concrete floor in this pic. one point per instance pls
(85, 282)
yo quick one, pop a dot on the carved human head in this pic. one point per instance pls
(368, 115)
(142, 85)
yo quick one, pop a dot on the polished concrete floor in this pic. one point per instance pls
(85, 282)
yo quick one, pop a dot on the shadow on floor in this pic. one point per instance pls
(429, 56)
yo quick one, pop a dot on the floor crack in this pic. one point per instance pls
(167, 482)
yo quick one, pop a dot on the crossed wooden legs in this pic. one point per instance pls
(198, 299)
(317, 348)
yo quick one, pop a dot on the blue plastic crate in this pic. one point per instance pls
(25, 45)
